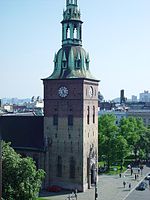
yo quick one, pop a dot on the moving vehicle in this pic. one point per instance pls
(142, 186)
(147, 177)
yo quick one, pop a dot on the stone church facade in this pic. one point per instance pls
(71, 111)
(65, 141)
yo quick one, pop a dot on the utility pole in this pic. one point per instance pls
(96, 192)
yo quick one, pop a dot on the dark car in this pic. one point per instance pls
(147, 177)
(54, 188)
(142, 186)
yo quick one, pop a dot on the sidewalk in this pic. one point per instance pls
(109, 187)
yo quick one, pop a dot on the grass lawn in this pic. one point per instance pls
(114, 169)
(40, 199)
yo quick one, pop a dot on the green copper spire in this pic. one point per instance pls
(71, 2)
(71, 61)
(71, 24)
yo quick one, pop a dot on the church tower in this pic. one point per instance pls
(71, 111)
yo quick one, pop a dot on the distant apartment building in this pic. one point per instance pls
(144, 114)
(139, 113)
(106, 105)
(134, 98)
(8, 108)
(144, 97)
(118, 114)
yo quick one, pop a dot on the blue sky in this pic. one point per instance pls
(116, 33)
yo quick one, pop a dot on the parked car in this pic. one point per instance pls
(54, 188)
(147, 177)
(142, 186)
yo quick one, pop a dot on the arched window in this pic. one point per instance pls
(55, 120)
(93, 114)
(88, 115)
(68, 32)
(75, 33)
(72, 167)
(59, 166)
(70, 120)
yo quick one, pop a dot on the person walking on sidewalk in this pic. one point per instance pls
(129, 186)
(131, 171)
(124, 184)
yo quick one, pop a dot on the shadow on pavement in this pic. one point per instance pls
(126, 190)
(50, 194)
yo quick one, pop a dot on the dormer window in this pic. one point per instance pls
(78, 64)
(78, 61)
(64, 61)
(87, 61)
(64, 64)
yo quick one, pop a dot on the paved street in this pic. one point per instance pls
(139, 195)
(111, 187)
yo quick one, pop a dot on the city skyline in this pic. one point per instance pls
(116, 34)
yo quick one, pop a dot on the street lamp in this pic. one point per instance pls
(96, 192)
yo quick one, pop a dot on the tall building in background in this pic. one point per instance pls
(122, 97)
(71, 110)
(134, 98)
(144, 97)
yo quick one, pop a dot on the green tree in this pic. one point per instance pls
(107, 134)
(21, 179)
(144, 143)
(136, 134)
(121, 150)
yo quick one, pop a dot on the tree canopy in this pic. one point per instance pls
(117, 142)
(21, 179)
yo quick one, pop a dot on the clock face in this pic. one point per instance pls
(63, 91)
(91, 92)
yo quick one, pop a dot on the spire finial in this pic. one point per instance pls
(71, 2)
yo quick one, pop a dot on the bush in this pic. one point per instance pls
(21, 180)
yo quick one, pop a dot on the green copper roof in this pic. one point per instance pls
(71, 61)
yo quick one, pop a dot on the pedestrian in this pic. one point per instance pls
(124, 184)
(75, 193)
(120, 175)
(129, 186)
(131, 171)
(129, 166)
(135, 176)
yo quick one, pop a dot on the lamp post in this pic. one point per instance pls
(96, 192)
